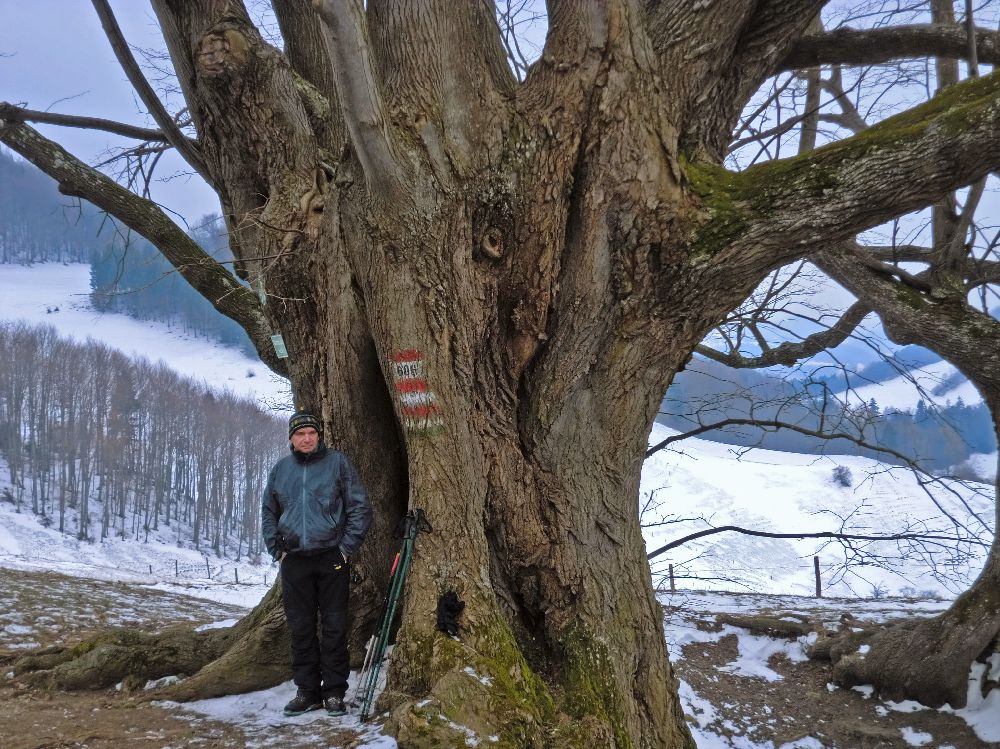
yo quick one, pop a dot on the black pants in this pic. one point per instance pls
(311, 585)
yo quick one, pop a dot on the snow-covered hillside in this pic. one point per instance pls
(939, 383)
(706, 484)
(157, 560)
(33, 294)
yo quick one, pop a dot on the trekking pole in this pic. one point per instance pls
(370, 645)
(414, 522)
(385, 625)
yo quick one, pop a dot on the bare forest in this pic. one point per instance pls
(99, 445)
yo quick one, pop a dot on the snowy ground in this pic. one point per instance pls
(699, 483)
(756, 686)
(739, 690)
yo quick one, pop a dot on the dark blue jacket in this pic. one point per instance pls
(312, 503)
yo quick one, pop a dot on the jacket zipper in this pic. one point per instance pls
(305, 468)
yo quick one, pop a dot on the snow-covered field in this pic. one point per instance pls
(705, 484)
(697, 484)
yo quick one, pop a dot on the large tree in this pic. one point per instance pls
(485, 286)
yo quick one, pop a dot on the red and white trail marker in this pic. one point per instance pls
(417, 402)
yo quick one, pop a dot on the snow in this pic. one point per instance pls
(903, 392)
(701, 482)
(158, 563)
(261, 713)
(982, 713)
(984, 464)
(916, 738)
(705, 483)
(28, 291)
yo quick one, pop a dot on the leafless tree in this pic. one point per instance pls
(535, 259)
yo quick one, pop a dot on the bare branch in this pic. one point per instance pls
(821, 534)
(777, 424)
(789, 353)
(12, 113)
(187, 148)
(203, 272)
(874, 46)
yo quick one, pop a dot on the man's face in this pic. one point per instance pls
(304, 440)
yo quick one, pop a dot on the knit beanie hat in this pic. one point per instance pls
(300, 420)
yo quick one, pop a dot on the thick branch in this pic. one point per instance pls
(187, 148)
(820, 534)
(899, 165)
(717, 55)
(964, 336)
(788, 353)
(11, 113)
(360, 94)
(873, 46)
(443, 64)
(203, 272)
(307, 47)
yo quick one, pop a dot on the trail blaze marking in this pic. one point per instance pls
(417, 402)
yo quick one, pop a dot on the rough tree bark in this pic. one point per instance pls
(486, 286)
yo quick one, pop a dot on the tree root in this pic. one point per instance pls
(257, 657)
(789, 626)
(253, 654)
(110, 657)
(927, 660)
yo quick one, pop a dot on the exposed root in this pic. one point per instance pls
(927, 660)
(110, 657)
(257, 657)
(251, 655)
(774, 626)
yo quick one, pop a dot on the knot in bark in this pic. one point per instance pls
(222, 51)
(492, 243)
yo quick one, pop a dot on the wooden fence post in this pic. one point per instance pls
(208, 568)
(819, 584)
(673, 586)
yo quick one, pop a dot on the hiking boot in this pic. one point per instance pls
(335, 705)
(303, 702)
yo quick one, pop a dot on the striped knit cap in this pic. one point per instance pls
(300, 420)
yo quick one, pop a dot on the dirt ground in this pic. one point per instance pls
(804, 702)
(41, 609)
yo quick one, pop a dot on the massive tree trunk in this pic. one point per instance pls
(485, 288)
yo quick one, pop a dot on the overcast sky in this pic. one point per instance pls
(56, 57)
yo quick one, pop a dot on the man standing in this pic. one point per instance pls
(314, 517)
